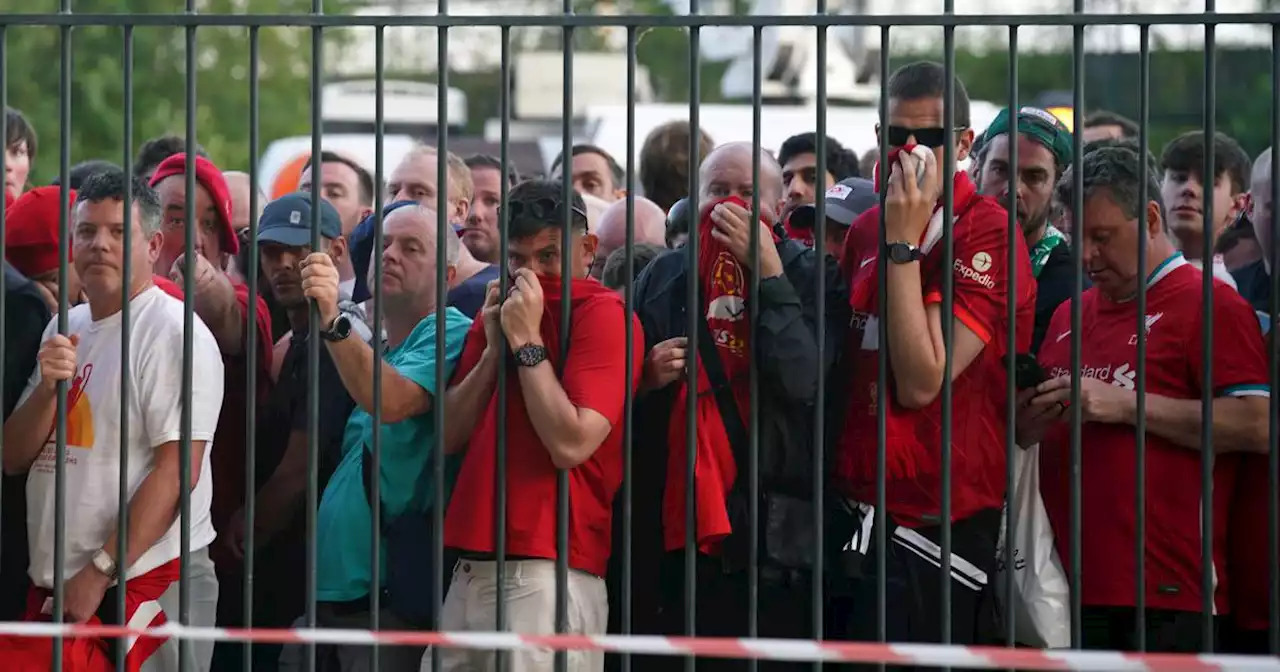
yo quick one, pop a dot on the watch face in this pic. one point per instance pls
(531, 355)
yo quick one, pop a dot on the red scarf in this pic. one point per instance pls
(864, 284)
(86, 654)
(580, 289)
(724, 286)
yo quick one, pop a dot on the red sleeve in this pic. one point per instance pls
(262, 325)
(1239, 362)
(981, 273)
(472, 349)
(597, 366)
(856, 241)
(167, 286)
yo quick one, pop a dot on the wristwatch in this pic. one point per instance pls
(103, 563)
(531, 355)
(338, 331)
(903, 253)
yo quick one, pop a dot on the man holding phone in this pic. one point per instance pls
(915, 274)
(1175, 383)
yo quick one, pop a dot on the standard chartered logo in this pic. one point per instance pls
(977, 272)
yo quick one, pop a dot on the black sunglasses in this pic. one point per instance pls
(543, 209)
(932, 138)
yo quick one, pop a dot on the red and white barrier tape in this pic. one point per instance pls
(928, 655)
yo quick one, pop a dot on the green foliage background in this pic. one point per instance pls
(32, 78)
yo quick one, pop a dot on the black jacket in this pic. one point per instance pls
(786, 357)
(25, 317)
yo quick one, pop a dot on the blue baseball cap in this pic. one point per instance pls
(287, 221)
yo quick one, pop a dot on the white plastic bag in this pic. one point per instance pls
(1040, 605)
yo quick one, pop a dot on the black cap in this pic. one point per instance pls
(845, 201)
(287, 221)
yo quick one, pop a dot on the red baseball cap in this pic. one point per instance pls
(209, 177)
(31, 232)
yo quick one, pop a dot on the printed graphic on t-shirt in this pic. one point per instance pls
(79, 424)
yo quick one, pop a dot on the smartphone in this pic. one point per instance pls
(1027, 372)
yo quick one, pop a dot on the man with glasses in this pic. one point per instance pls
(564, 410)
(1044, 151)
(914, 274)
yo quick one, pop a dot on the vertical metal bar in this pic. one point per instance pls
(948, 303)
(1206, 399)
(251, 275)
(500, 472)
(628, 297)
(313, 327)
(64, 239)
(753, 367)
(882, 353)
(1077, 287)
(691, 377)
(1140, 417)
(379, 346)
(444, 186)
(1011, 356)
(188, 352)
(566, 274)
(4, 145)
(820, 330)
(126, 330)
(1273, 455)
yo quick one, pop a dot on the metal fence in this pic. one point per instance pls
(317, 21)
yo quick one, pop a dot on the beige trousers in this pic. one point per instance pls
(530, 587)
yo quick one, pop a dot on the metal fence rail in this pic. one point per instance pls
(317, 21)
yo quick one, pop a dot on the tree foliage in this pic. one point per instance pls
(33, 79)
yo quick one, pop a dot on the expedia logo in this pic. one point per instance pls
(983, 279)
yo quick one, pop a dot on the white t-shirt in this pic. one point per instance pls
(93, 432)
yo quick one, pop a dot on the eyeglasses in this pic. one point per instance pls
(543, 209)
(932, 138)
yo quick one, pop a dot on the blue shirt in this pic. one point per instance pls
(344, 522)
(469, 295)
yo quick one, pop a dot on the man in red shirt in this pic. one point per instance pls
(1175, 384)
(223, 305)
(984, 285)
(564, 411)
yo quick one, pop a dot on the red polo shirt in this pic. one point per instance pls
(593, 378)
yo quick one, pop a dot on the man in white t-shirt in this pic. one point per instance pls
(88, 357)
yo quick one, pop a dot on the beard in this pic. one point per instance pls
(1033, 224)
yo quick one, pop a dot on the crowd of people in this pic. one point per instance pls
(128, 276)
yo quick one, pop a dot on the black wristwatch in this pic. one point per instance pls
(531, 355)
(902, 253)
(338, 331)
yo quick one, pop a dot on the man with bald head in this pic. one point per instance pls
(650, 225)
(1254, 280)
(240, 187)
(1250, 575)
(785, 353)
(409, 365)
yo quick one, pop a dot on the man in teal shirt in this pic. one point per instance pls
(408, 435)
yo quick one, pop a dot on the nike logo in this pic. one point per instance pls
(1063, 335)
(866, 261)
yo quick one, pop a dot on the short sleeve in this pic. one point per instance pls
(472, 350)
(1239, 360)
(417, 362)
(158, 381)
(865, 229)
(596, 368)
(981, 276)
(262, 326)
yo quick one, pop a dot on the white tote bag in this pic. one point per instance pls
(1040, 604)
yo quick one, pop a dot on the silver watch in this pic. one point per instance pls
(103, 563)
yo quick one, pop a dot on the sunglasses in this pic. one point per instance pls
(543, 209)
(932, 138)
